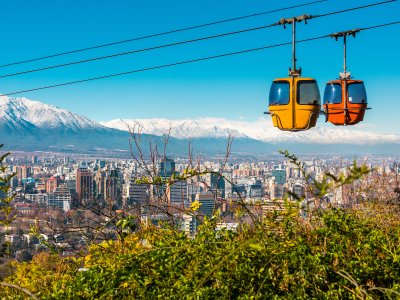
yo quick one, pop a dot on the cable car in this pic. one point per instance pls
(345, 99)
(294, 101)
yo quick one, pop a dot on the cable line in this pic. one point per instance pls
(139, 50)
(161, 33)
(181, 42)
(351, 9)
(380, 25)
(151, 68)
(188, 61)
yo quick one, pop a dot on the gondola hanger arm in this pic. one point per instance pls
(351, 32)
(303, 17)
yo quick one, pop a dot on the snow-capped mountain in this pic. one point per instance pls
(261, 130)
(32, 125)
(22, 113)
(181, 129)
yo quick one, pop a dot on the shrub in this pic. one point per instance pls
(337, 254)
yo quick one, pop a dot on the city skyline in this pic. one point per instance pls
(65, 182)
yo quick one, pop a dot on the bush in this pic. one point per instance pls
(337, 254)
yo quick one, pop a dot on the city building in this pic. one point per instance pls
(166, 167)
(52, 183)
(177, 194)
(23, 172)
(299, 190)
(207, 202)
(189, 225)
(84, 184)
(39, 199)
(277, 191)
(254, 190)
(280, 175)
(60, 198)
(112, 187)
(193, 187)
(227, 177)
(99, 184)
(137, 193)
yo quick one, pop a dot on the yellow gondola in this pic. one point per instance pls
(294, 102)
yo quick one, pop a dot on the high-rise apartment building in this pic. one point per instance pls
(207, 202)
(192, 189)
(280, 175)
(84, 184)
(227, 177)
(254, 190)
(60, 198)
(166, 167)
(112, 186)
(137, 193)
(177, 194)
(99, 184)
(23, 172)
(277, 191)
(299, 190)
(52, 183)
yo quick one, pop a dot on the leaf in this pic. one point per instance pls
(257, 247)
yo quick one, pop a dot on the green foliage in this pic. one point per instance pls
(5, 196)
(329, 181)
(354, 173)
(40, 275)
(338, 254)
(126, 225)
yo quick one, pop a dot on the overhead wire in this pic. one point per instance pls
(189, 61)
(138, 51)
(351, 9)
(380, 25)
(180, 43)
(161, 33)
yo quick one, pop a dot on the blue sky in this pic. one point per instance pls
(234, 87)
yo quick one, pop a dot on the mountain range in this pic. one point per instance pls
(260, 129)
(28, 125)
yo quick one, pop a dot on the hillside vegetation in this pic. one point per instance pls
(323, 252)
(337, 254)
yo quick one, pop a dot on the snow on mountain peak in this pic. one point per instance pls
(15, 110)
(181, 129)
(260, 129)
(23, 113)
